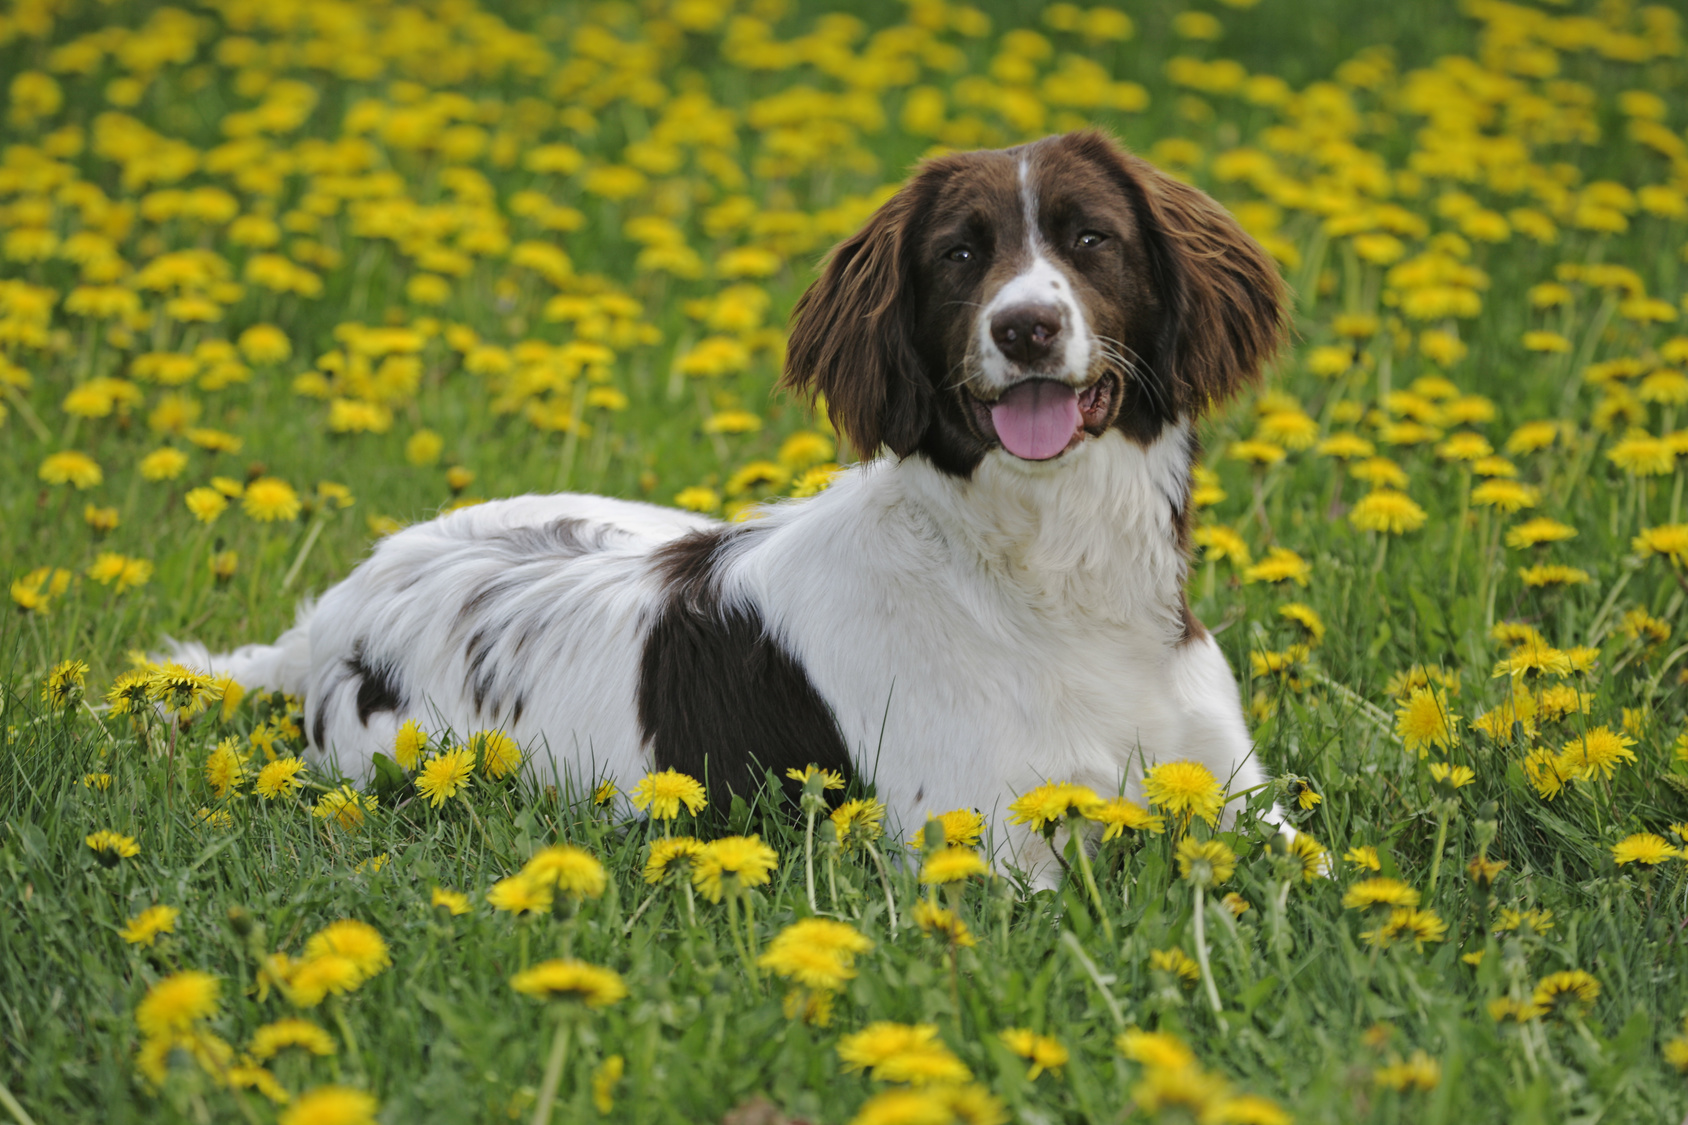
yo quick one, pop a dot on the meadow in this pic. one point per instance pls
(279, 278)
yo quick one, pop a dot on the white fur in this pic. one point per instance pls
(974, 637)
(1041, 282)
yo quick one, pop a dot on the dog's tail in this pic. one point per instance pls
(282, 666)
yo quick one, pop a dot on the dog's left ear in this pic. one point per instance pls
(852, 337)
(1225, 299)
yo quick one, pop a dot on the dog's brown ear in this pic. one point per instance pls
(852, 339)
(1226, 301)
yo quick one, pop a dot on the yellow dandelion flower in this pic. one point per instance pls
(1119, 814)
(1568, 993)
(144, 928)
(279, 778)
(273, 1038)
(1380, 891)
(1424, 721)
(409, 744)
(569, 869)
(174, 1003)
(332, 1105)
(452, 902)
(1533, 533)
(445, 776)
(1280, 565)
(952, 865)
(942, 923)
(671, 853)
(1184, 790)
(1387, 511)
(662, 794)
(897, 1052)
(111, 846)
(744, 859)
(517, 894)
(1049, 804)
(1043, 1052)
(1644, 848)
(1596, 754)
(1205, 862)
(560, 979)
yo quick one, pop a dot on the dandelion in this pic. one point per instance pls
(1424, 721)
(518, 894)
(1220, 542)
(358, 942)
(408, 744)
(268, 500)
(225, 768)
(944, 924)
(273, 1038)
(498, 754)
(744, 859)
(1406, 924)
(1184, 790)
(332, 1105)
(1280, 565)
(144, 928)
(1176, 963)
(445, 776)
(662, 794)
(862, 819)
(1120, 815)
(1568, 994)
(1310, 855)
(279, 778)
(1533, 533)
(567, 868)
(1364, 856)
(1208, 862)
(559, 979)
(1050, 804)
(952, 865)
(1670, 540)
(963, 827)
(1369, 893)
(1043, 1052)
(1420, 1072)
(73, 468)
(174, 1003)
(454, 903)
(62, 689)
(671, 853)
(1644, 848)
(897, 1052)
(344, 807)
(1387, 511)
(1596, 754)
(816, 953)
(1451, 777)
(111, 846)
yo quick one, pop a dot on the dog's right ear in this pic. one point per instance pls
(852, 336)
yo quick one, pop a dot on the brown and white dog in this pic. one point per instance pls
(998, 600)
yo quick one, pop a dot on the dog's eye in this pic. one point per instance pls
(960, 254)
(1090, 239)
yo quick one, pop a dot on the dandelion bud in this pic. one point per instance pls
(241, 921)
(826, 834)
(932, 839)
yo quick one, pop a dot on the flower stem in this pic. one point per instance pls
(553, 1071)
(885, 883)
(809, 863)
(1090, 881)
(1201, 949)
(1441, 841)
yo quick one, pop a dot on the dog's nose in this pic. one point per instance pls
(1026, 333)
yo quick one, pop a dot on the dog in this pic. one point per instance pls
(1026, 338)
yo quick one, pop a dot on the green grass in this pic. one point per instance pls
(1312, 1011)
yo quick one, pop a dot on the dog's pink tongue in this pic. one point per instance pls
(1036, 419)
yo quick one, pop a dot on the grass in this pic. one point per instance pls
(1317, 1016)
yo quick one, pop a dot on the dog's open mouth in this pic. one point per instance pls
(1040, 419)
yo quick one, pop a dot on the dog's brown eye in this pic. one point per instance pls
(960, 254)
(1091, 238)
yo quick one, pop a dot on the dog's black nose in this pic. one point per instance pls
(1026, 333)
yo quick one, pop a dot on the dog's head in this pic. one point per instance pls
(1027, 300)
